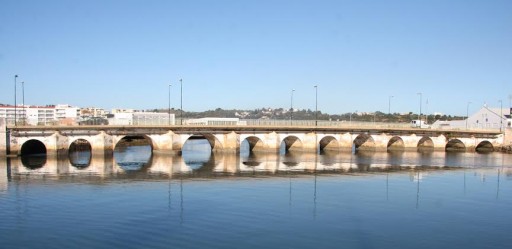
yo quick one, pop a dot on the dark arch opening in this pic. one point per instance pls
(328, 143)
(425, 144)
(484, 147)
(33, 148)
(254, 143)
(455, 145)
(364, 142)
(33, 154)
(80, 153)
(134, 141)
(290, 143)
(133, 153)
(396, 143)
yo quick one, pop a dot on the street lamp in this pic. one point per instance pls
(291, 107)
(181, 101)
(389, 104)
(467, 114)
(169, 105)
(351, 117)
(419, 115)
(15, 109)
(316, 105)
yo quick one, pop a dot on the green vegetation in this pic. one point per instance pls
(280, 113)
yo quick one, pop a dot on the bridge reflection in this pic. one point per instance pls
(161, 166)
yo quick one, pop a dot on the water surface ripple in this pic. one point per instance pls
(208, 200)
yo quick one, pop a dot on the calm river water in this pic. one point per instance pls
(203, 200)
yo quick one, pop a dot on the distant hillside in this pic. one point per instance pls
(280, 114)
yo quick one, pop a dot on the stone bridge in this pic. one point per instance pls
(15, 141)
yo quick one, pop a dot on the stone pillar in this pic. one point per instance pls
(231, 142)
(177, 142)
(310, 142)
(507, 139)
(162, 143)
(439, 142)
(272, 142)
(381, 142)
(101, 144)
(4, 144)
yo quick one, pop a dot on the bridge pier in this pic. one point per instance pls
(166, 140)
(162, 144)
(4, 149)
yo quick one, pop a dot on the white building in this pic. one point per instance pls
(66, 111)
(132, 117)
(89, 112)
(10, 113)
(485, 118)
(40, 115)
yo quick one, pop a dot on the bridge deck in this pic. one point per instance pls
(252, 129)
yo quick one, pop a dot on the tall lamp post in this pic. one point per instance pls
(351, 117)
(15, 104)
(467, 114)
(389, 104)
(169, 106)
(316, 105)
(291, 107)
(419, 115)
(181, 101)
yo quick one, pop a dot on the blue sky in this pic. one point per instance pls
(251, 54)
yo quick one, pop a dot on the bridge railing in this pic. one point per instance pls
(322, 123)
(271, 123)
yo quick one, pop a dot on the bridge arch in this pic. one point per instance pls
(364, 142)
(484, 146)
(214, 142)
(455, 145)
(425, 143)
(396, 143)
(328, 143)
(33, 147)
(80, 153)
(255, 143)
(80, 144)
(291, 143)
(134, 140)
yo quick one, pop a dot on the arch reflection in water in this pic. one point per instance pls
(80, 153)
(292, 161)
(198, 156)
(33, 161)
(33, 154)
(133, 153)
(255, 161)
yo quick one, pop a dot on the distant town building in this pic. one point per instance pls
(133, 117)
(215, 121)
(40, 115)
(90, 112)
(485, 118)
